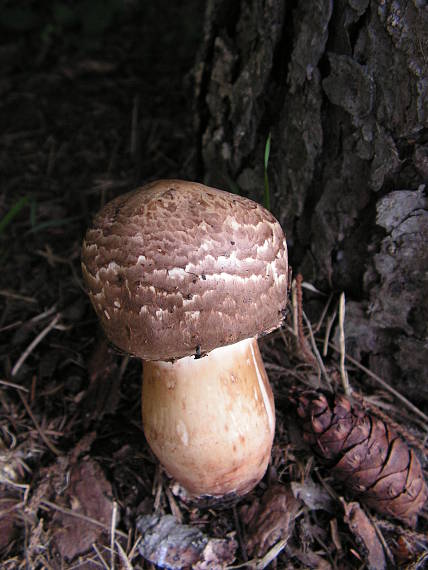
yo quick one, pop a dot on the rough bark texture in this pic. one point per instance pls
(342, 87)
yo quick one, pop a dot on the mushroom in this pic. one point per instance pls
(186, 277)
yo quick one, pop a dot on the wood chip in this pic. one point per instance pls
(365, 535)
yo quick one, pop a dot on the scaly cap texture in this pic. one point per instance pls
(176, 267)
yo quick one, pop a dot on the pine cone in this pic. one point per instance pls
(374, 463)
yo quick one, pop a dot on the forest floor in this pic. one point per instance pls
(84, 116)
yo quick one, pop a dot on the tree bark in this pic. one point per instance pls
(343, 89)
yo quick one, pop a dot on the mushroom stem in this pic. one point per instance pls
(211, 421)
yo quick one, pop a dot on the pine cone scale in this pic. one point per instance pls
(365, 453)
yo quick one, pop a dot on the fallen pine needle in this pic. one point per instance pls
(294, 307)
(34, 343)
(17, 296)
(316, 352)
(329, 326)
(273, 553)
(112, 533)
(384, 384)
(123, 557)
(48, 504)
(100, 556)
(134, 548)
(380, 536)
(261, 563)
(44, 437)
(13, 385)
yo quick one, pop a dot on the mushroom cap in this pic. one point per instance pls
(176, 268)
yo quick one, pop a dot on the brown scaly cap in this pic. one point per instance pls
(177, 265)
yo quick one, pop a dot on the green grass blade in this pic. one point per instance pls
(12, 213)
(33, 212)
(267, 151)
(53, 224)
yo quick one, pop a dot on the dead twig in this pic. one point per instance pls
(343, 372)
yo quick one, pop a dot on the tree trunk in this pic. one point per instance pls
(342, 87)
